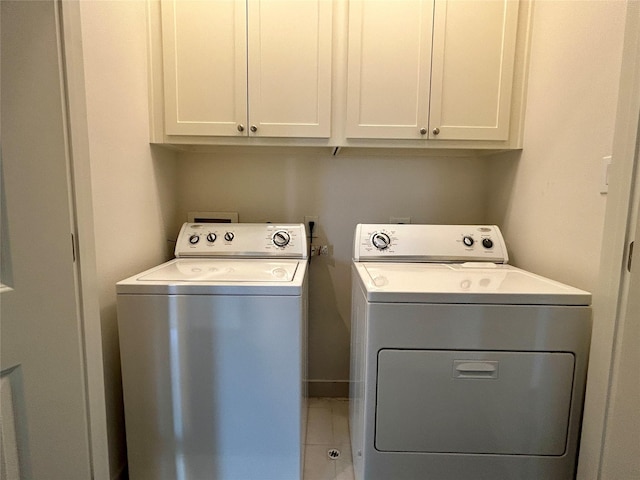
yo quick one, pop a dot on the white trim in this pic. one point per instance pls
(89, 308)
(610, 289)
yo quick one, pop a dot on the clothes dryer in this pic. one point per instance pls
(213, 350)
(462, 367)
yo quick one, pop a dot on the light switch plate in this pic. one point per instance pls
(604, 175)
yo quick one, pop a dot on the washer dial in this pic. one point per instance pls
(229, 236)
(281, 238)
(193, 239)
(468, 241)
(211, 237)
(381, 240)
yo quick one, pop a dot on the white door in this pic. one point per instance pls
(472, 71)
(389, 63)
(44, 424)
(289, 68)
(204, 45)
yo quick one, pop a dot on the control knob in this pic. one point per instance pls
(281, 238)
(381, 240)
(487, 243)
(468, 241)
(229, 236)
(193, 239)
(211, 237)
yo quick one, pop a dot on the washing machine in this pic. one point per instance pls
(213, 353)
(462, 366)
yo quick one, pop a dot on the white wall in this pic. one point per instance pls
(547, 198)
(612, 404)
(132, 183)
(284, 185)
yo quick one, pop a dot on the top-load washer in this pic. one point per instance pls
(213, 350)
(462, 367)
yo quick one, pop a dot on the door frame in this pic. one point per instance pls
(85, 253)
(609, 304)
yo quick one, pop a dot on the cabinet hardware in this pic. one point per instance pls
(241, 128)
(254, 129)
(423, 131)
(630, 257)
(436, 131)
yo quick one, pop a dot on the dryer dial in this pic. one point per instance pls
(380, 240)
(281, 238)
(193, 239)
(211, 237)
(229, 236)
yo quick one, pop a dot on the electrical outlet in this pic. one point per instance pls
(320, 250)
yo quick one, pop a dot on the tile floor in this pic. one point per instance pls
(328, 428)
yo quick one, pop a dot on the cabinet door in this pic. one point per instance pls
(205, 66)
(289, 68)
(472, 71)
(388, 68)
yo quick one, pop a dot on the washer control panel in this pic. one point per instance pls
(429, 243)
(242, 240)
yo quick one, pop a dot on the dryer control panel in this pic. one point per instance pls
(242, 240)
(429, 243)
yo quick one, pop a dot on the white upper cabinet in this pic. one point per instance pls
(290, 67)
(441, 74)
(474, 44)
(436, 70)
(204, 50)
(247, 67)
(389, 68)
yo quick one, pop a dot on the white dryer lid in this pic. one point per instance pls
(484, 283)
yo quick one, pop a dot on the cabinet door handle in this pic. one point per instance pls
(240, 127)
(253, 128)
(436, 131)
(423, 131)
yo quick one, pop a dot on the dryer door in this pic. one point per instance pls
(475, 402)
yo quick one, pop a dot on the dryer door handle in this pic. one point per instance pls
(473, 369)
